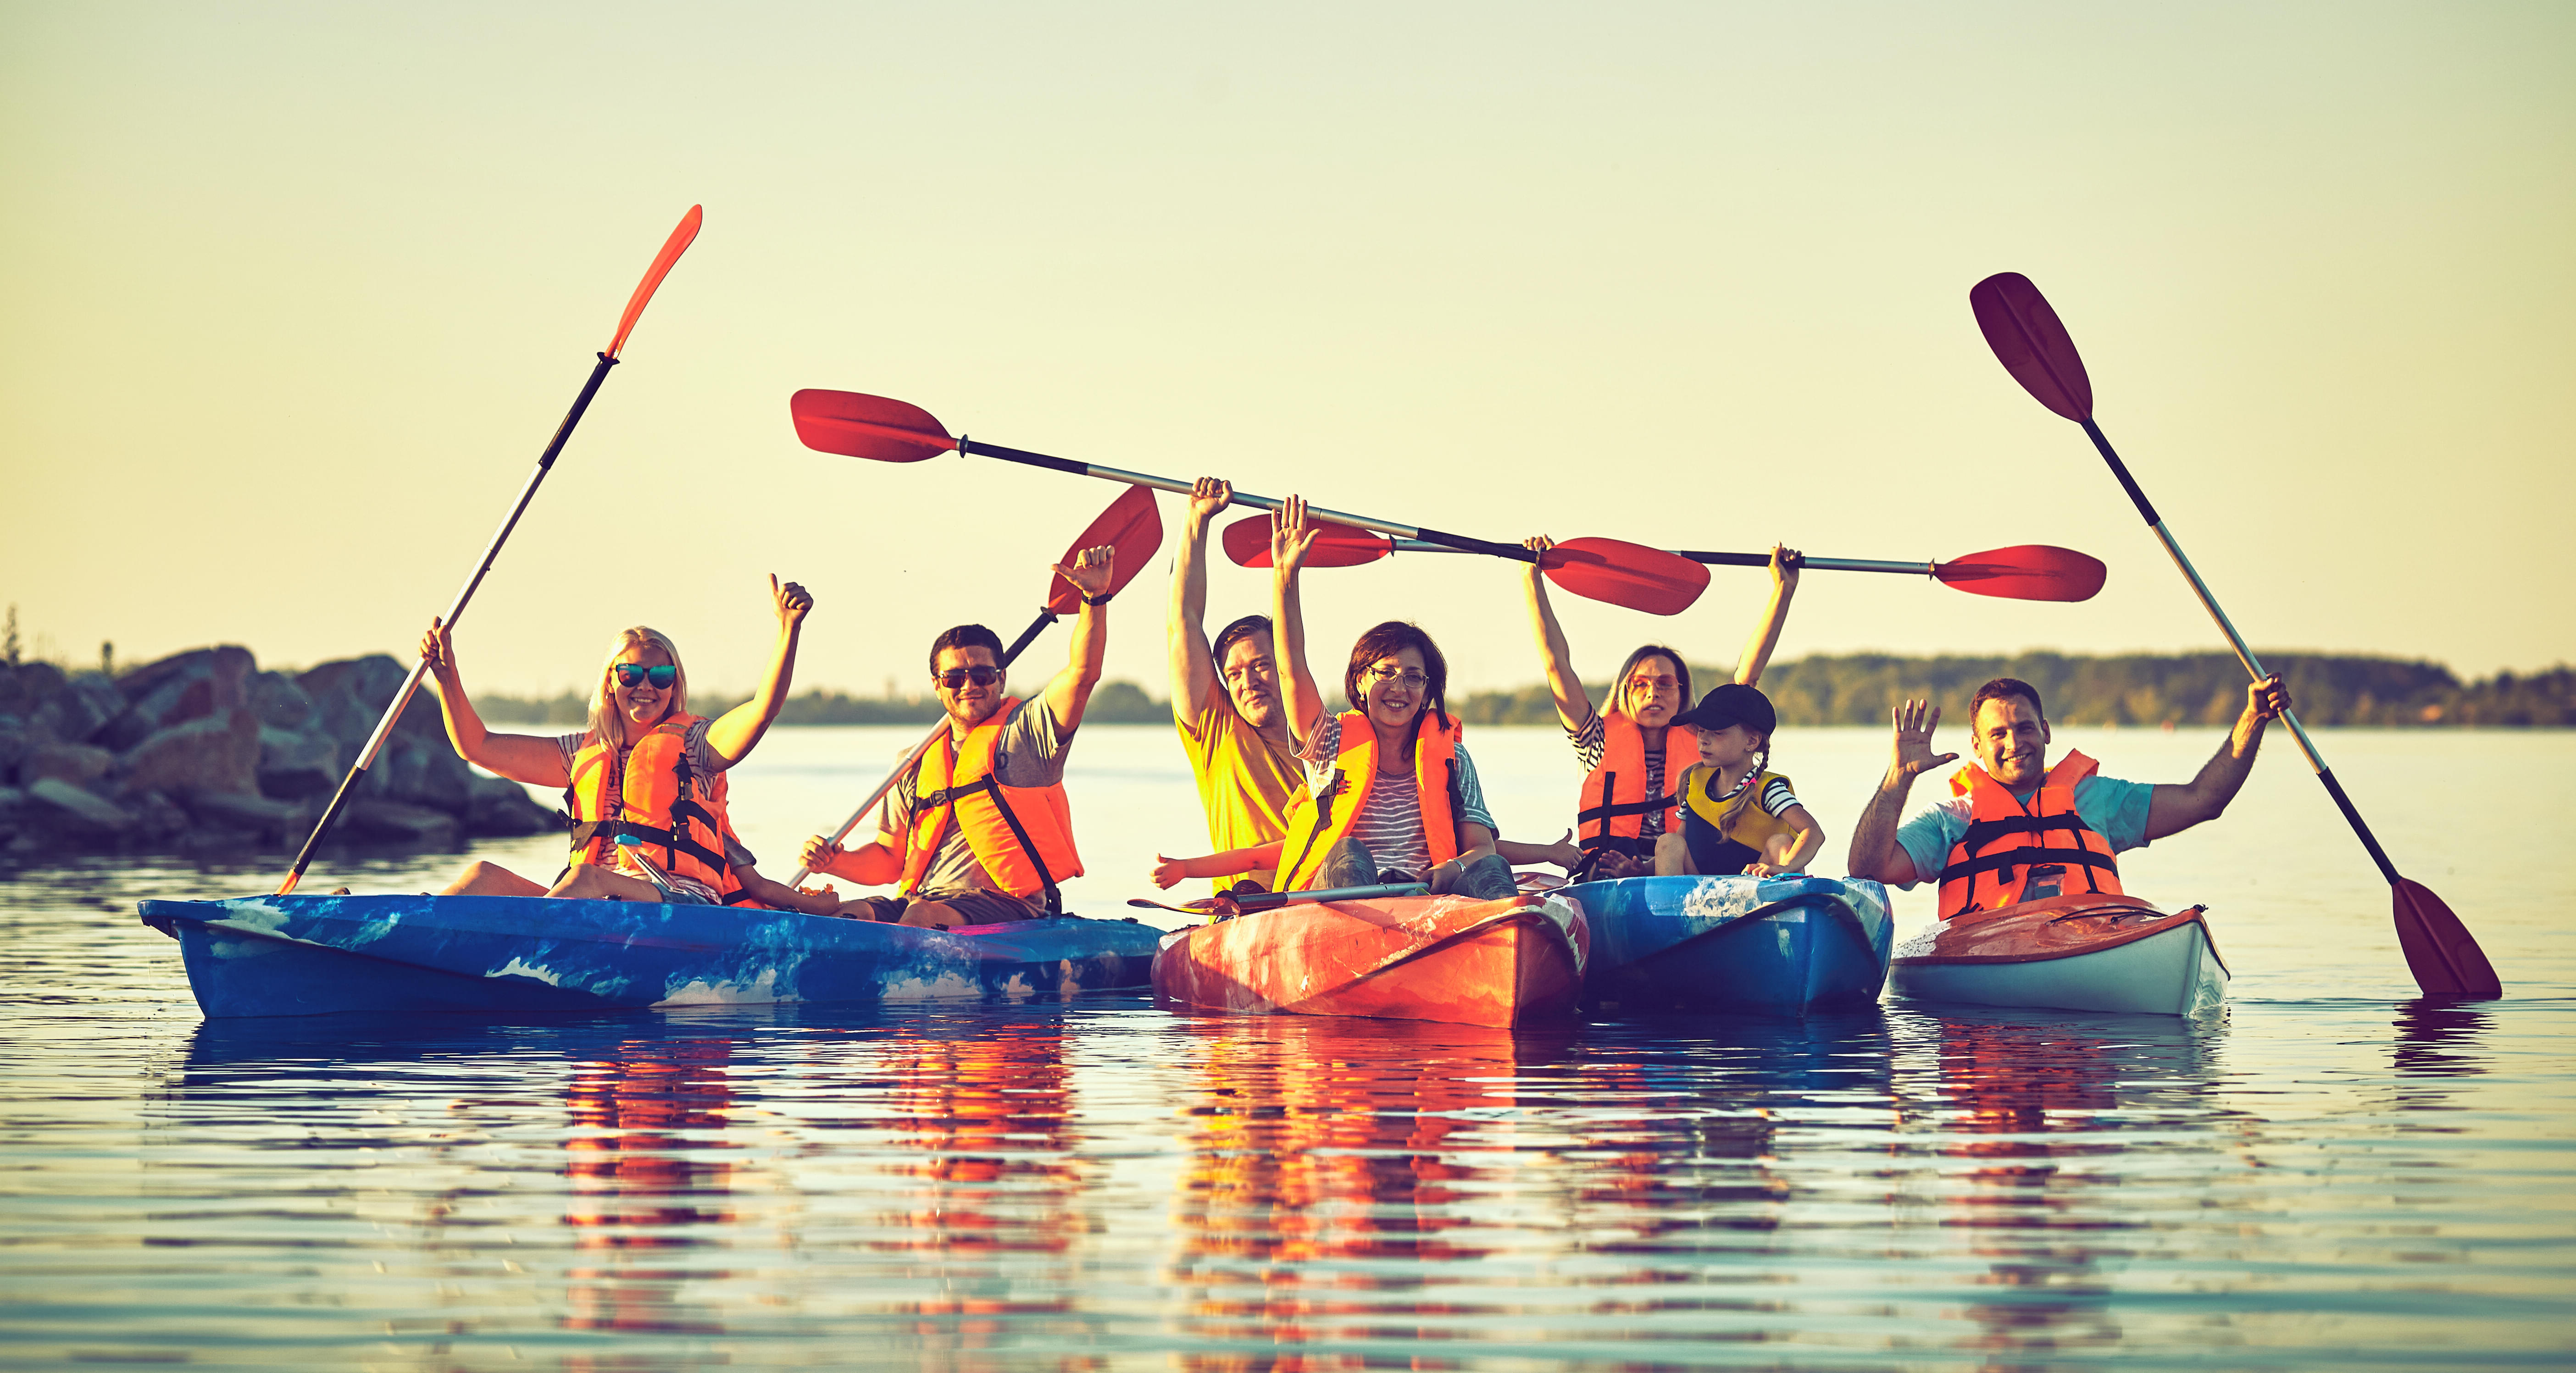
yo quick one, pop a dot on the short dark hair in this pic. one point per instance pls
(2000, 688)
(1387, 639)
(965, 636)
(1236, 633)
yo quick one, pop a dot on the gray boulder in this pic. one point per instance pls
(13, 745)
(60, 806)
(199, 684)
(86, 702)
(25, 686)
(79, 764)
(390, 822)
(296, 764)
(216, 752)
(280, 702)
(267, 820)
(501, 808)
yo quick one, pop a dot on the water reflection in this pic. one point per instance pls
(2439, 1039)
(1330, 1163)
(645, 1174)
(2041, 1114)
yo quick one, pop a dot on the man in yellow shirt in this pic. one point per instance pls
(1226, 701)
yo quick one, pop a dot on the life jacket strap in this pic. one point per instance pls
(1983, 832)
(2003, 863)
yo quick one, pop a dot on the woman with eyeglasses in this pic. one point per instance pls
(644, 766)
(1624, 807)
(1390, 789)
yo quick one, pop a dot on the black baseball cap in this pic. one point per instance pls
(1731, 704)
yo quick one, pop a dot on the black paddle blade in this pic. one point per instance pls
(2446, 960)
(2031, 344)
(1130, 525)
(874, 427)
(1247, 544)
(2025, 572)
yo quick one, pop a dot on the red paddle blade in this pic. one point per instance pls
(2446, 961)
(2031, 344)
(1626, 574)
(1130, 525)
(1247, 544)
(857, 426)
(2025, 572)
(672, 247)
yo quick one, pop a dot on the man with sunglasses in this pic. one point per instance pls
(979, 832)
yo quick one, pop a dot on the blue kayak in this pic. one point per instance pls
(316, 955)
(1744, 945)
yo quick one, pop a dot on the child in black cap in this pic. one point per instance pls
(1737, 817)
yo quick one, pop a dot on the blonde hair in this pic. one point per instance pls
(604, 725)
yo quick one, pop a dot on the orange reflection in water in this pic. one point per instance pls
(639, 1183)
(1317, 1146)
(2041, 1109)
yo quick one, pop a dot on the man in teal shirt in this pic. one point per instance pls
(2010, 735)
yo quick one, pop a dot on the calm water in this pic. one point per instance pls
(2330, 1177)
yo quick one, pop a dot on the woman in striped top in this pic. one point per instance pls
(1416, 808)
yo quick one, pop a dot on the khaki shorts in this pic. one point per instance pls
(977, 907)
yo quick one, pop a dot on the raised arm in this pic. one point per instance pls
(1874, 850)
(1291, 538)
(1193, 671)
(519, 757)
(1071, 690)
(735, 731)
(2172, 809)
(1785, 563)
(1573, 704)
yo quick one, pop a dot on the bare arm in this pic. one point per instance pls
(2173, 809)
(1170, 872)
(519, 757)
(1290, 540)
(1573, 704)
(1564, 853)
(1874, 850)
(1785, 563)
(1811, 841)
(875, 864)
(1070, 691)
(1193, 671)
(734, 732)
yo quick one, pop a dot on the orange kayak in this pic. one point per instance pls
(1445, 958)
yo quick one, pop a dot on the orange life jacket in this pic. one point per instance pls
(1319, 821)
(2013, 853)
(1614, 804)
(654, 794)
(1022, 835)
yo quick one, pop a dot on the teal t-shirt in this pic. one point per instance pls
(2115, 809)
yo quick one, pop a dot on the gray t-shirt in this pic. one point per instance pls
(1031, 753)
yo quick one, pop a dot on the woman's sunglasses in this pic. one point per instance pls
(661, 675)
(956, 677)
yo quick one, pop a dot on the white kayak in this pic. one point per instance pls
(2074, 953)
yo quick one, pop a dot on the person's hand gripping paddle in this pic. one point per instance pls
(2035, 348)
(885, 430)
(1131, 526)
(672, 247)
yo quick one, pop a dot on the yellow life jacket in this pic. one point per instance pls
(1318, 821)
(653, 793)
(2013, 853)
(1725, 832)
(1023, 836)
(1613, 805)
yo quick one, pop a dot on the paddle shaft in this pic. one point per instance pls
(2244, 653)
(1810, 564)
(455, 612)
(904, 767)
(1460, 542)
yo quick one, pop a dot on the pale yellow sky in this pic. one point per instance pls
(294, 294)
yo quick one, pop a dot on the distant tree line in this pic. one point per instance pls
(1859, 688)
(2123, 689)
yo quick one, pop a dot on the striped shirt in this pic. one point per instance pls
(1587, 739)
(1390, 822)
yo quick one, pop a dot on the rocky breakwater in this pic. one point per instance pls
(202, 753)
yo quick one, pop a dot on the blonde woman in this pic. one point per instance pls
(644, 766)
